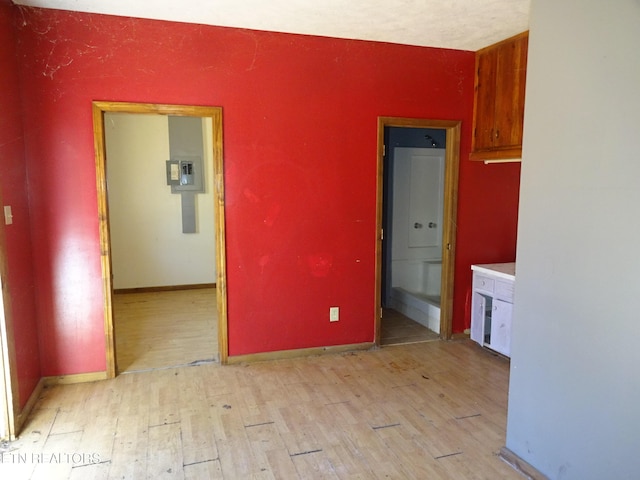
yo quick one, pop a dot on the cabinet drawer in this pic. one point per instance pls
(480, 282)
(504, 291)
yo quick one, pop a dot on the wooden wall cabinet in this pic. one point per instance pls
(499, 99)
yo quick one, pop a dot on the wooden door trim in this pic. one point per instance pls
(9, 405)
(451, 172)
(215, 113)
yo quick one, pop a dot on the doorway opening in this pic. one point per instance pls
(5, 378)
(10, 419)
(418, 162)
(166, 299)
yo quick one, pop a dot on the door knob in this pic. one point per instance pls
(432, 225)
(417, 225)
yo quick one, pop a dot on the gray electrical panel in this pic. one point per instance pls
(184, 174)
(185, 169)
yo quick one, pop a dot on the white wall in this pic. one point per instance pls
(148, 246)
(574, 397)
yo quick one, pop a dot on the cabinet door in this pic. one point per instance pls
(501, 327)
(510, 88)
(477, 318)
(485, 91)
(498, 108)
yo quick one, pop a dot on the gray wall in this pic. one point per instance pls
(574, 397)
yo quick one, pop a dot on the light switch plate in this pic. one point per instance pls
(8, 216)
(334, 314)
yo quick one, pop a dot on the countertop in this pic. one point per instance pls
(501, 270)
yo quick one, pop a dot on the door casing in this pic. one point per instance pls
(452, 165)
(9, 405)
(215, 113)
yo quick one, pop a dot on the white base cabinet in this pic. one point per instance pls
(492, 305)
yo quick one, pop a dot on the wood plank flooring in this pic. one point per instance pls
(397, 329)
(433, 410)
(174, 328)
(165, 329)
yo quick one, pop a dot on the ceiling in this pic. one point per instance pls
(457, 24)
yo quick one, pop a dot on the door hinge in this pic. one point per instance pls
(384, 150)
(382, 234)
(380, 312)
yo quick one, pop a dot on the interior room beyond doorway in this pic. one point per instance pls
(413, 215)
(165, 329)
(162, 241)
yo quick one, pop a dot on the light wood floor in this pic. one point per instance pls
(165, 329)
(397, 329)
(433, 410)
(175, 328)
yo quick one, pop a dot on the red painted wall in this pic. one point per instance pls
(300, 119)
(17, 237)
(487, 224)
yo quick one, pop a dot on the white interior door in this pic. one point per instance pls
(425, 205)
(425, 169)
